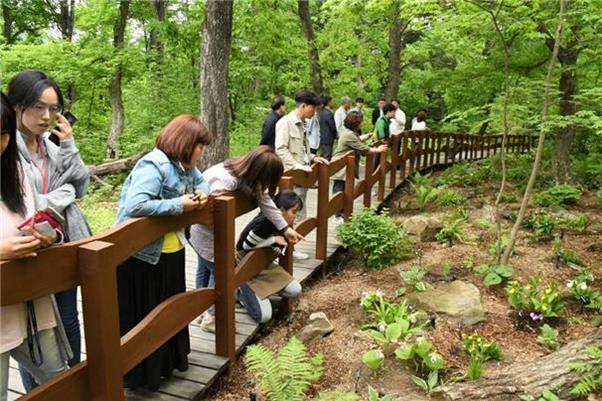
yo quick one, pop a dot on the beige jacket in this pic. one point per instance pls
(291, 142)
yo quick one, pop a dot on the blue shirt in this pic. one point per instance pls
(155, 188)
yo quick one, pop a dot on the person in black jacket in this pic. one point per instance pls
(377, 112)
(268, 131)
(328, 128)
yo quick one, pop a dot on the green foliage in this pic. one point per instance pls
(428, 363)
(548, 337)
(419, 180)
(507, 198)
(495, 274)
(565, 255)
(100, 207)
(579, 223)
(599, 197)
(480, 350)
(542, 225)
(588, 169)
(337, 396)
(373, 359)
(414, 276)
(383, 313)
(425, 195)
(429, 386)
(376, 237)
(504, 243)
(535, 300)
(286, 376)
(449, 197)
(374, 396)
(452, 230)
(557, 195)
(581, 288)
(590, 373)
(546, 395)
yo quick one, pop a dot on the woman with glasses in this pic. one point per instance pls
(44, 354)
(57, 173)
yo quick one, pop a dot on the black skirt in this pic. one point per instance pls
(141, 287)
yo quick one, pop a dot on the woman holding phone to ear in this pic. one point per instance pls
(45, 357)
(57, 173)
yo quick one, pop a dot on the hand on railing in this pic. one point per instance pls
(321, 160)
(367, 136)
(380, 149)
(194, 201)
(292, 236)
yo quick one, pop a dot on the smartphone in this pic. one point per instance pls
(197, 196)
(72, 120)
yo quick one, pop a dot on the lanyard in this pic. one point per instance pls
(44, 170)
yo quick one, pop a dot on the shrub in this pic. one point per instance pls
(542, 224)
(413, 278)
(588, 170)
(495, 274)
(449, 197)
(480, 351)
(452, 230)
(287, 376)
(419, 180)
(534, 301)
(425, 195)
(376, 237)
(557, 195)
(591, 378)
(383, 313)
(579, 223)
(548, 337)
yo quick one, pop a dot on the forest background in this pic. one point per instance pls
(128, 67)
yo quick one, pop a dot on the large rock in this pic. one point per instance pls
(318, 326)
(422, 228)
(457, 301)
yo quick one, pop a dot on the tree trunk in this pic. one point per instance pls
(66, 19)
(216, 39)
(315, 73)
(156, 43)
(395, 45)
(117, 114)
(568, 87)
(8, 24)
(552, 372)
(115, 166)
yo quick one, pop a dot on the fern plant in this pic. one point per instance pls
(452, 230)
(591, 373)
(425, 195)
(286, 376)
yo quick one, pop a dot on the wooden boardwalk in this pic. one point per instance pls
(204, 366)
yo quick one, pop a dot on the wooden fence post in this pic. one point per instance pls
(404, 156)
(367, 176)
(395, 142)
(349, 186)
(448, 147)
(439, 145)
(286, 260)
(322, 213)
(432, 147)
(101, 315)
(411, 139)
(425, 148)
(382, 175)
(223, 226)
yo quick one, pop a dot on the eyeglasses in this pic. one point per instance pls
(42, 108)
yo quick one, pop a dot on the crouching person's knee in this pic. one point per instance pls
(292, 290)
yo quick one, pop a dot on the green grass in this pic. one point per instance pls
(100, 207)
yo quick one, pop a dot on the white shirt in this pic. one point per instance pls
(398, 123)
(339, 118)
(418, 126)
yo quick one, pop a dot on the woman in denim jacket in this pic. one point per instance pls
(161, 184)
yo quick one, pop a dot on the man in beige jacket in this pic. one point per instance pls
(291, 142)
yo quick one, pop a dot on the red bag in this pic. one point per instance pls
(49, 215)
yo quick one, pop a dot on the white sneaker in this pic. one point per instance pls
(208, 323)
(297, 255)
(336, 220)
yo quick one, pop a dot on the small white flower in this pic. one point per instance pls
(420, 339)
(381, 355)
(434, 358)
(382, 327)
(583, 286)
(570, 284)
(379, 294)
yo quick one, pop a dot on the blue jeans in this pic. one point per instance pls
(205, 274)
(67, 304)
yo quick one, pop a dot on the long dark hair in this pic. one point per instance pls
(10, 168)
(258, 170)
(26, 88)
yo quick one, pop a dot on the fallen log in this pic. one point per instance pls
(552, 372)
(115, 166)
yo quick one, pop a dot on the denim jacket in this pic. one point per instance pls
(155, 188)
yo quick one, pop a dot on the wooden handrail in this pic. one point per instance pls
(92, 262)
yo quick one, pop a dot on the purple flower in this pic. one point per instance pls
(535, 316)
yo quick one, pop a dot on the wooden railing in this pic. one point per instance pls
(91, 263)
